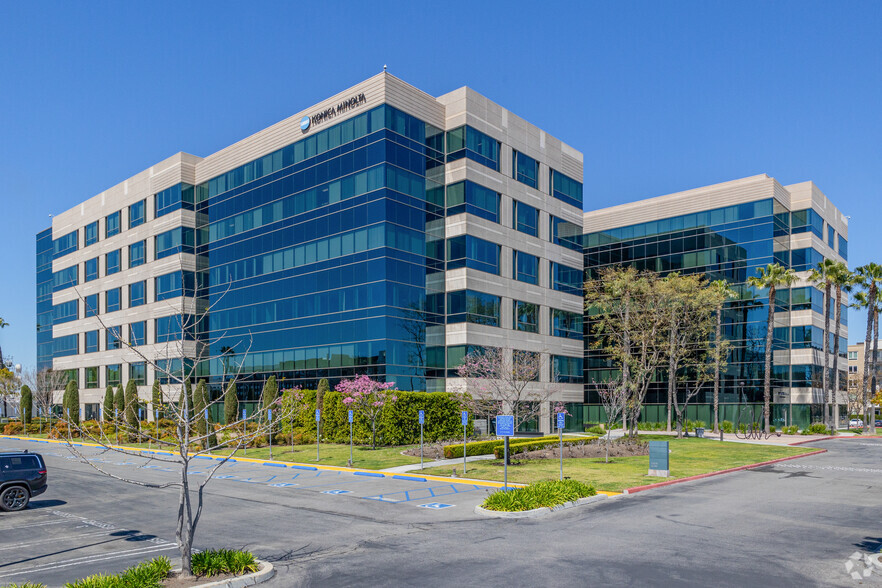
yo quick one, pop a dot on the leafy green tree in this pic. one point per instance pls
(131, 398)
(323, 388)
(231, 404)
(71, 402)
(108, 403)
(119, 403)
(27, 404)
(770, 278)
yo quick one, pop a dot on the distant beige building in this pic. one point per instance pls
(855, 375)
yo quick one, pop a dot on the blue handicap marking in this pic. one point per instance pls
(336, 491)
(422, 416)
(435, 505)
(561, 420)
(282, 485)
(224, 477)
(465, 418)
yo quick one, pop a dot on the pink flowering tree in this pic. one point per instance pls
(367, 397)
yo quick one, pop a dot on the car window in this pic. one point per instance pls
(25, 462)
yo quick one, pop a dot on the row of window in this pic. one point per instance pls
(471, 306)
(113, 375)
(167, 328)
(564, 369)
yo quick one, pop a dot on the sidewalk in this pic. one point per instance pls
(438, 463)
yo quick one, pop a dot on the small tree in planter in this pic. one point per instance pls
(614, 396)
(367, 397)
(231, 404)
(108, 403)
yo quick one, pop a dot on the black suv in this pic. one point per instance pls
(22, 475)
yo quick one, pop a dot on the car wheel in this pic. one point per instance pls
(14, 498)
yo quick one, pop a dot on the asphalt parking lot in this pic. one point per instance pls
(797, 523)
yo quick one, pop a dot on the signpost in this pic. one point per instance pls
(244, 432)
(350, 438)
(207, 432)
(318, 432)
(157, 427)
(465, 422)
(269, 422)
(561, 422)
(504, 428)
(422, 418)
(658, 459)
(140, 416)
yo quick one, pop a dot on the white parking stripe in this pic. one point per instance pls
(54, 540)
(37, 525)
(90, 559)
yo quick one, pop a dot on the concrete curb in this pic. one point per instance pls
(636, 489)
(538, 512)
(876, 560)
(836, 438)
(265, 571)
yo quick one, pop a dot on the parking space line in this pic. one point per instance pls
(91, 559)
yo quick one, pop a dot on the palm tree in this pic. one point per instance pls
(860, 301)
(870, 276)
(726, 294)
(770, 277)
(822, 276)
(841, 279)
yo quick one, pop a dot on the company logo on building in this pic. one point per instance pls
(330, 113)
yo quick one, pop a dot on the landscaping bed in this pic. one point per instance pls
(546, 494)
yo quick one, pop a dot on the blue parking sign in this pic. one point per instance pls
(561, 420)
(465, 418)
(422, 417)
(505, 425)
(350, 416)
(318, 414)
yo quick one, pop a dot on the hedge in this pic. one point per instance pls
(534, 444)
(487, 447)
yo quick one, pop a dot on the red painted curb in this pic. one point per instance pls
(636, 489)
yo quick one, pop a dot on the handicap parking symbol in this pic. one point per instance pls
(282, 485)
(336, 491)
(434, 505)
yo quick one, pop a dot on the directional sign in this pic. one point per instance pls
(318, 414)
(243, 414)
(350, 416)
(561, 420)
(465, 418)
(269, 415)
(505, 425)
(422, 417)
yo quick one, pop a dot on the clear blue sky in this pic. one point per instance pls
(659, 96)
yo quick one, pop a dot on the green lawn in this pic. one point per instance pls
(688, 457)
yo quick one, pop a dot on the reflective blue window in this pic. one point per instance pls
(174, 285)
(114, 337)
(470, 306)
(91, 233)
(567, 370)
(64, 245)
(803, 221)
(137, 294)
(65, 278)
(111, 224)
(174, 328)
(473, 144)
(831, 237)
(805, 259)
(91, 341)
(137, 214)
(178, 240)
(566, 324)
(174, 198)
(65, 312)
(526, 218)
(468, 251)
(526, 317)
(843, 248)
(112, 300)
(91, 305)
(566, 189)
(138, 373)
(112, 262)
(473, 198)
(113, 375)
(565, 234)
(566, 279)
(138, 333)
(525, 169)
(91, 269)
(137, 253)
(67, 345)
(526, 267)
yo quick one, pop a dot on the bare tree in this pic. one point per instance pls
(614, 396)
(43, 385)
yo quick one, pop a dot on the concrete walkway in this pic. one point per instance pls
(437, 463)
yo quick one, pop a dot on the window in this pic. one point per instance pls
(474, 199)
(65, 278)
(91, 269)
(137, 294)
(805, 298)
(175, 284)
(179, 240)
(468, 251)
(65, 312)
(831, 237)
(526, 267)
(567, 370)
(843, 248)
(91, 377)
(473, 144)
(566, 324)
(91, 341)
(64, 245)
(805, 259)
(525, 169)
(111, 300)
(138, 373)
(113, 375)
(112, 263)
(526, 218)
(174, 328)
(853, 355)
(565, 234)
(566, 189)
(803, 221)
(114, 338)
(138, 333)
(469, 306)
(22, 463)
(137, 214)
(526, 317)
(566, 279)
(852, 369)
(174, 198)
(111, 224)
(137, 253)
(91, 305)
(91, 233)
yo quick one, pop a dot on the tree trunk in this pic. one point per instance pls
(871, 304)
(767, 376)
(374, 432)
(717, 360)
(826, 377)
(871, 416)
(672, 373)
(834, 395)
(626, 367)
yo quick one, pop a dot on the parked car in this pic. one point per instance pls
(855, 424)
(22, 476)
(878, 423)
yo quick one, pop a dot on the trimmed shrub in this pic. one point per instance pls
(71, 402)
(231, 404)
(26, 404)
(119, 403)
(108, 403)
(816, 429)
(323, 388)
(548, 493)
(131, 398)
(474, 448)
(791, 430)
(222, 561)
(534, 444)
(727, 427)
(13, 428)
(596, 429)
